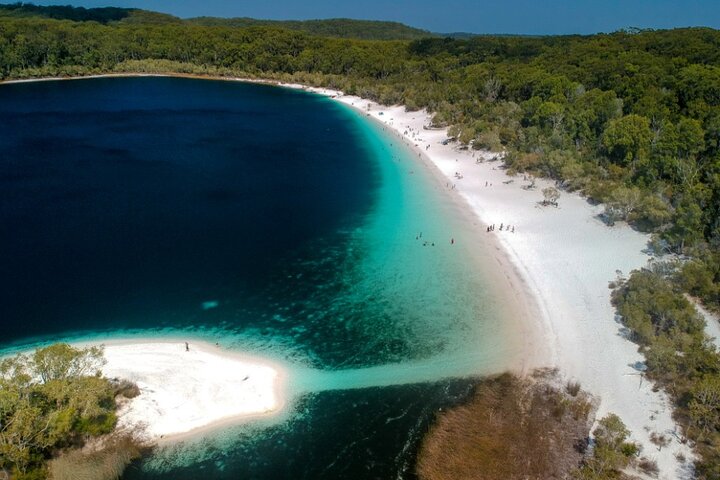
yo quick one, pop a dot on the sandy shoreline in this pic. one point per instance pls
(565, 257)
(517, 302)
(187, 392)
(556, 268)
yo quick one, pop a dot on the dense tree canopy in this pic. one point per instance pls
(331, 27)
(65, 12)
(52, 399)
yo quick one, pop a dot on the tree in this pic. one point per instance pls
(48, 400)
(627, 139)
(687, 228)
(550, 196)
(622, 203)
(700, 82)
(611, 453)
(491, 89)
(61, 361)
(691, 137)
(551, 115)
(611, 432)
(705, 404)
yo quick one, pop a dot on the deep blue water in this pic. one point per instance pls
(271, 220)
(130, 202)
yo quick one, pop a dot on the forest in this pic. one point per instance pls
(334, 27)
(630, 119)
(53, 402)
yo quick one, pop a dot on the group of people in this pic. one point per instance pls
(425, 243)
(508, 228)
(431, 244)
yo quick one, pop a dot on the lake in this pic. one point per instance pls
(269, 220)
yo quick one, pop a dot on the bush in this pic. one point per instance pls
(50, 400)
(488, 140)
(97, 425)
(126, 388)
(512, 429)
(612, 453)
(105, 464)
(573, 388)
(648, 467)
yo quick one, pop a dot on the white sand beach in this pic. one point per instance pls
(567, 257)
(184, 391)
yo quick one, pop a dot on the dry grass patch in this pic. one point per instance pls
(513, 428)
(105, 463)
(125, 388)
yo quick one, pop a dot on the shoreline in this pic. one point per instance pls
(189, 392)
(561, 262)
(518, 305)
(565, 258)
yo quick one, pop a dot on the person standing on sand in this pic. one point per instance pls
(187, 347)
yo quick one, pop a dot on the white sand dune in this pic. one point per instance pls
(184, 391)
(567, 257)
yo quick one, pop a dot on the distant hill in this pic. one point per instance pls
(65, 12)
(468, 35)
(80, 14)
(458, 35)
(333, 27)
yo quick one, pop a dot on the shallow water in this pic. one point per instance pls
(269, 220)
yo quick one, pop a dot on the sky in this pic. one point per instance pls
(477, 16)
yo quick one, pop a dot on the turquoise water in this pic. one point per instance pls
(324, 245)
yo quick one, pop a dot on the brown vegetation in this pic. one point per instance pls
(513, 428)
(125, 388)
(105, 463)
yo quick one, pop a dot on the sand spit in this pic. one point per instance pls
(185, 390)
